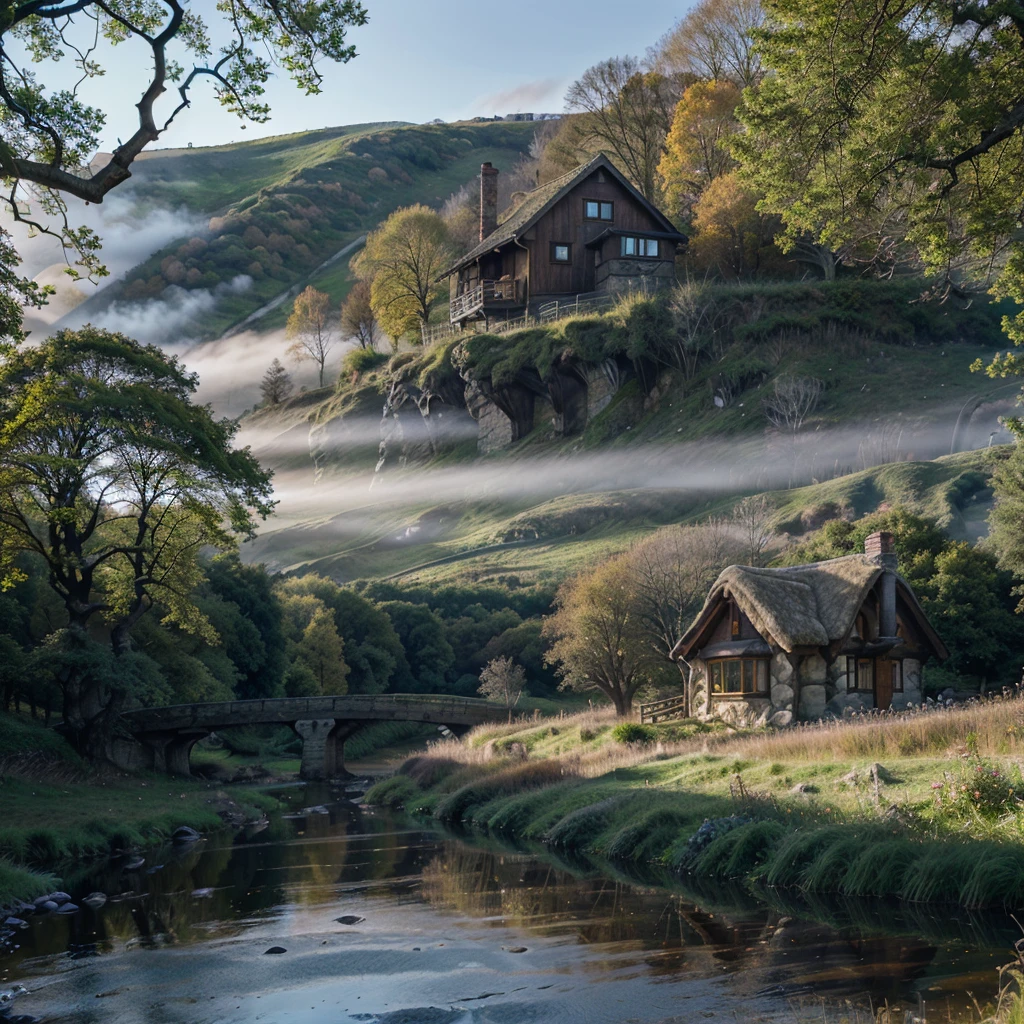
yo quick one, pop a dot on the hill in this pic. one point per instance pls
(279, 208)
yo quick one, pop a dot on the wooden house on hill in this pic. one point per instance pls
(809, 641)
(589, 231)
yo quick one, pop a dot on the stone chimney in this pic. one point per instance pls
(881, 548)
(488, 200)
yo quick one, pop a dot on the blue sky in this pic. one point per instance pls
(420, 59)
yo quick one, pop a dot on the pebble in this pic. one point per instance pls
(68, 908)
(349, 919)
(517, 949)
(95, 900)
(15, 922)
(274, 950)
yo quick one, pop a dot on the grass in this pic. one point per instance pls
(726, 805)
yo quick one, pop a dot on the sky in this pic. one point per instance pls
(418, 60)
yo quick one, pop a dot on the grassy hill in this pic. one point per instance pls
(279, 207)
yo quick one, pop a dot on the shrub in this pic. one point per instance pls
(710, 830)
(633, 732)
(363, 360)
(978, 790)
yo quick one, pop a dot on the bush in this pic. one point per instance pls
(363, 360)
(978, 790)
(632, 732)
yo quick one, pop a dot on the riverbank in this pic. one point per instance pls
(922, 807)
(56, 811)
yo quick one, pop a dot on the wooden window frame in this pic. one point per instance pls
(639, 242)
(853, 666)
(600, 204)
(750, 675)
(560, 245)
(897, 674)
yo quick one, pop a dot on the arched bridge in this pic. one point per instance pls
(163, 738)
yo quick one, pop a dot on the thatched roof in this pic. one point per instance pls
(522, 217)
(803, 605)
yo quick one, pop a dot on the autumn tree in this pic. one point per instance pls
(673, 571)
(357, 318)
(731, 236)
(599, 640)
(115, 481)
(696, 149)
(403, 260)
(50, 133)
(626, 110)
(311, 327)
(502, 681)
(715, 42)
(276, 385)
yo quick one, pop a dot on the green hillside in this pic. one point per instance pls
(280, 207)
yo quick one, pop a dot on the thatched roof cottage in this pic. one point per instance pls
(808, 641)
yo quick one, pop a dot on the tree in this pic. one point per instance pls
(628, 110)
(116, 481)
(403, 260)
(792, 400)
(731, 237)
(503, 681)
(276, 385)
(357, 317)
(715, 41)
(753, 518)
(696, 149)
(599, 639)
(49, 135)
(321, 650)
(891, 133)
(311, 328)
(428, 657)
(673, 571)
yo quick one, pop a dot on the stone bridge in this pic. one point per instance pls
(162, 738)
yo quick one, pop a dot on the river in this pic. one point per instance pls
(437, 929)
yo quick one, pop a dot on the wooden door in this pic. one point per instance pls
(883, 683)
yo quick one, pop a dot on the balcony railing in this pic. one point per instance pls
(483, 294)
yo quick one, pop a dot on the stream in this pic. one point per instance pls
(384, 920)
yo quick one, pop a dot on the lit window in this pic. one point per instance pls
(595, 210)
(739, 676)
(561, 253)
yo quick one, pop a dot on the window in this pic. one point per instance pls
(593, 209)
(739, 676)
(860, 674)
(561, 252)
(897, 676)
(647, 247)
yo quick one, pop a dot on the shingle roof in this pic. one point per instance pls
(520, 218)
(803, 605)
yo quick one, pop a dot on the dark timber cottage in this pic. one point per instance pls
(809, 641)
(589, 231)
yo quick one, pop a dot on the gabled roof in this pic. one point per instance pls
(522, 217)
(803, 605)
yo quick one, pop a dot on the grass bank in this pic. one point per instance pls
(56, 811)
(923, 807)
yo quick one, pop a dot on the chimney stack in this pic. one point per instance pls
(488, 200)
(881, 548)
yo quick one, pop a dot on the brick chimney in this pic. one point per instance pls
(881, 548)
(488, 200)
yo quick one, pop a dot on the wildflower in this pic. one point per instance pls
(937, 785)
(977, 795)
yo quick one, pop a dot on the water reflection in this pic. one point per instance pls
(496, 934)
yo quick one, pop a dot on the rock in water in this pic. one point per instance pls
(68, 908)
(274, 950)
(349, 919)
(95, 900)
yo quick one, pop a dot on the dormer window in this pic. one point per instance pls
(594, 209)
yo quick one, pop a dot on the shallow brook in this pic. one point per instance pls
(385, 921)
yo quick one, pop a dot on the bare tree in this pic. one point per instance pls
(714, 41)
(502, 680)
(357, 318)
(673, 570)
(311, 329)
(276, 385)
(753, 519)
(697, 319)
(792, 400)
(628, 110)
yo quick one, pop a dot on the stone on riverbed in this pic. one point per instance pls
(95, 900)
(275, 951)
(350, 919)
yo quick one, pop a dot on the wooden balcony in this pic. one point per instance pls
(483, 295)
